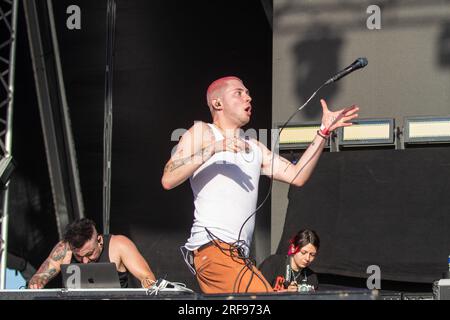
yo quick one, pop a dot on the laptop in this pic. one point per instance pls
(90, 276)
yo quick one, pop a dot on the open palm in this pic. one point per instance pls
(340, 118)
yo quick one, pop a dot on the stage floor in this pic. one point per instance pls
(144, 294)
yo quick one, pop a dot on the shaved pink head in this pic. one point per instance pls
(216, 86)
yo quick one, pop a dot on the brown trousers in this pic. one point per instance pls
(222, 271)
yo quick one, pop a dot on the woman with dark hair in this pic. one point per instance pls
(292, 272)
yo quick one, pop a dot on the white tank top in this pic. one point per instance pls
(225, 192)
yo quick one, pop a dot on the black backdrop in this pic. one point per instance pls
(32, 223)
(166, 53)
(377, 207)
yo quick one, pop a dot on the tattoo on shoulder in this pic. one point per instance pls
(59, 252)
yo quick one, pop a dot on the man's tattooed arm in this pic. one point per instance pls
(283, 170)
(278, 163)
(42, 276)
(49, 268)
(198, 157)
(59, 251)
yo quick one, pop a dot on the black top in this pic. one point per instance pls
(277, 270)
(104, 257)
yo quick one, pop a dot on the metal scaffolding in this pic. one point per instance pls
(108, 119)
(54, 113)
(61, 155)
(8, 23)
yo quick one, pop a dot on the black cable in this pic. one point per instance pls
(230, 252)
(239, 277)
(239, 243)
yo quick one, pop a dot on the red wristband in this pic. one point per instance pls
(321, 135)
(324, 130)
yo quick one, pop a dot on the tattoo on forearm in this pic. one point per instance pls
(43, 267)
(59, 252)
(43, 278)
(43, 275)
(175, 164)
(287, 163)
(287, 167)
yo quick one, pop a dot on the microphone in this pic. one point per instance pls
(357, 64)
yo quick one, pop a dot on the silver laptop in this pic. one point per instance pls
(90, 276)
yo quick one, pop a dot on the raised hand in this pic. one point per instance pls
(340, 118)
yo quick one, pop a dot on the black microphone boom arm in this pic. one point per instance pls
(357, 64)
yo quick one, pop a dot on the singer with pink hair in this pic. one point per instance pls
(223, 167)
